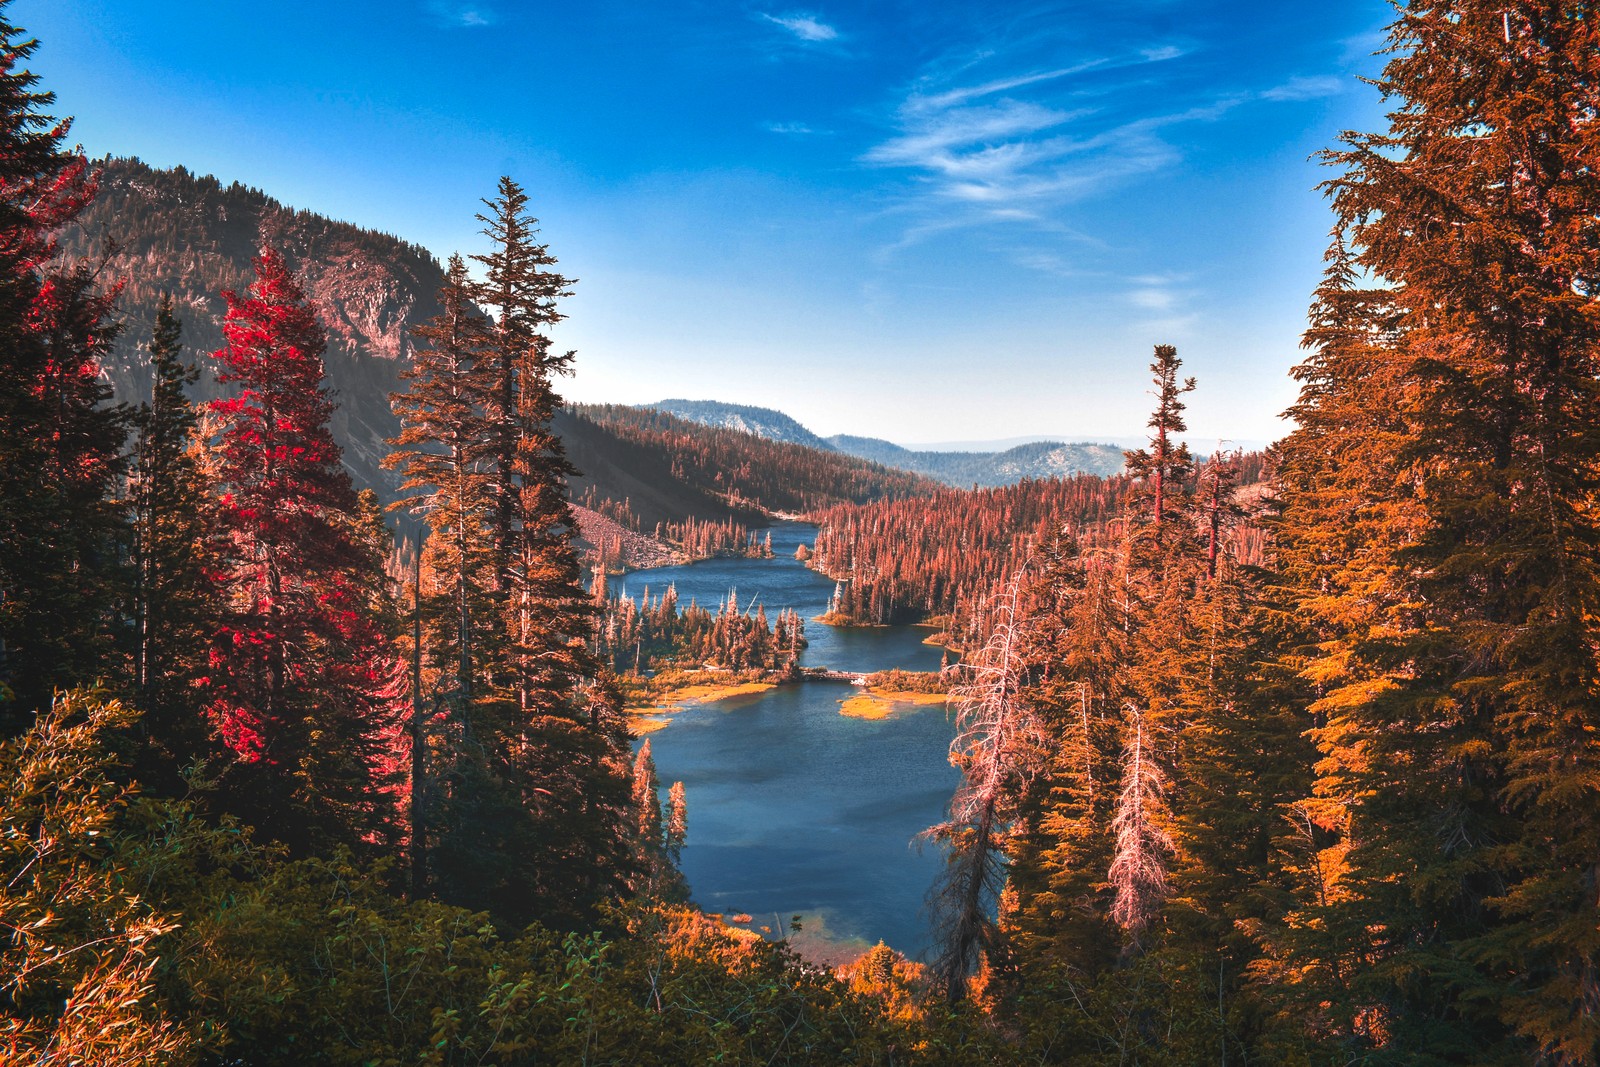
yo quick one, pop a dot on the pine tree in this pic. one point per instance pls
(1163, 467)
(646, 802)
(173, 600)
(447, 456)
(534, 816)
(537, 569)
(60, 444)
(677, 829)
(303, 689)
(1139, 866)
(1439, 527)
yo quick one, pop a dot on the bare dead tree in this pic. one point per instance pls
(998, 744)
(1139, 868)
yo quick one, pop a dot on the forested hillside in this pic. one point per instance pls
(763, 422)
(170, 231)
(746, 471)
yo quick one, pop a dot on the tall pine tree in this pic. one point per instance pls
(60, 442)
(533, 811)
(446, 451)
(173, 599)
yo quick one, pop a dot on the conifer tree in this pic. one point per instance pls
(1139, 867)
(304, 691)
(1439, 527)
(534, 814)
(677, 829)
(446, 453)
(1163, 467)
(537, 570)
(60, 443)
(646, 802)
(173, 600)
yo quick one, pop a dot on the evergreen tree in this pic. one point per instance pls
(173, 600)
(537, 569)
(1439, 527)
(1163, 468)
(303, 689)
(1138, 871)
(60, 444)
(446, 452)
(534, 813)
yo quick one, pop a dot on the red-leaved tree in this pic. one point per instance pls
(304, 692)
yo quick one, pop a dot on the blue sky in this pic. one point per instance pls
(921, 221)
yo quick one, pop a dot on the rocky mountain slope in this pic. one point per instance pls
(170, 230)
(763, 422)
(151, 231)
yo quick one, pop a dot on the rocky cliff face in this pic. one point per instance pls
(169, 230)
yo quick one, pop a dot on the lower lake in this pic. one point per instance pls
(793, 807)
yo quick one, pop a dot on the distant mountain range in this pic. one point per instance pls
(1035, 459)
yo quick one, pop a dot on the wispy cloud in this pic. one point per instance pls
(1162, 53)
(794, 129)
(952, 97)
(805, 27)
(462, 13)
(1311, 88)
(1161, 294)
(982, 152)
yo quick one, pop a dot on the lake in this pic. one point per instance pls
(793, 807)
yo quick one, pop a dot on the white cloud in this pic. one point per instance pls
(461, 13)
(1312, 88)
(1162, 54)
(806, 27)
(1153, 299)
(793, 129)
(951, 140)
(1007, 143)
(951, 97)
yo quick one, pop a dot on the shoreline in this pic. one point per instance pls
(868, 703)
(648, 718)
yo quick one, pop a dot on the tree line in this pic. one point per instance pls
(938, 556)
(648, 634)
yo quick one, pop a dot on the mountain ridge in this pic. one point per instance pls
(1033, 459)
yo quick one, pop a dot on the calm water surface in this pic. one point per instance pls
(793, 807)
